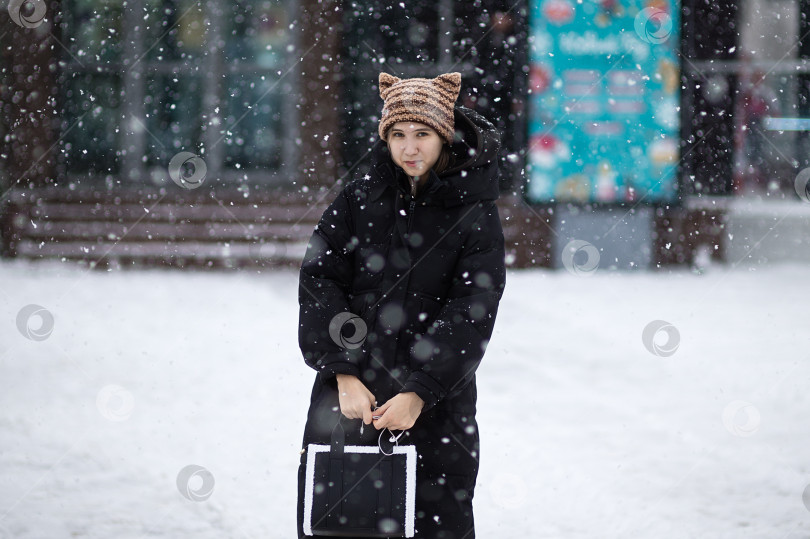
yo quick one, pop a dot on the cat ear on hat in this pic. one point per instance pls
(450, 82)
(385, 82)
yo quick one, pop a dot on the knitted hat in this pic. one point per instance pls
(427, 101)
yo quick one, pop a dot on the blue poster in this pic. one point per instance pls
(604, 101)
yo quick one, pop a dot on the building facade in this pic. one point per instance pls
(214, 133)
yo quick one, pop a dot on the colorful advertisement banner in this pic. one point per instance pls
(604, 101)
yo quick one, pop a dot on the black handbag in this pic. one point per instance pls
(360, 490)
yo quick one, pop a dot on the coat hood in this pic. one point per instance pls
(472, 177)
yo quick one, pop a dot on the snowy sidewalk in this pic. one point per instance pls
(584, 432)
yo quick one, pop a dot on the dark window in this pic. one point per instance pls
(143, 82)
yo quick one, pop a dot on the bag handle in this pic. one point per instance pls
(338, 441)
(335, 475)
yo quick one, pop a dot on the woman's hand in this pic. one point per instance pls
(356, 401)
(400, 412)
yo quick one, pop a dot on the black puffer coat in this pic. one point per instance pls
(426, 275)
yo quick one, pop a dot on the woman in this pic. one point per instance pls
(415, 249)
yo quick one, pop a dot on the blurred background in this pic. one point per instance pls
(647, 375)
(679, 127)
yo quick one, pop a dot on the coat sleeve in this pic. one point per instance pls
(451, 349)
(324, 280)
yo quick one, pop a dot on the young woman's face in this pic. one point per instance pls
(415, 147)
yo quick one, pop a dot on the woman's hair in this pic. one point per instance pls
(445, 159)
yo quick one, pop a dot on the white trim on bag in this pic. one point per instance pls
(410, 480)
(410, 489)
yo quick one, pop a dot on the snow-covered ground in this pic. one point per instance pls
(584, 432)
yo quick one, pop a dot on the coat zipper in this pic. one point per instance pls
(410, 215)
